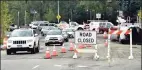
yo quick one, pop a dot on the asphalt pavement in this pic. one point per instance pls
(64, 61)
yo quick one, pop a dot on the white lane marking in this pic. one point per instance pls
(35, 66)
(58, 65)
(81, 66)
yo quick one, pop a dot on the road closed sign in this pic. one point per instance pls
(85, 37)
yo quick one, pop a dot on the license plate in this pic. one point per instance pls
(19, 45)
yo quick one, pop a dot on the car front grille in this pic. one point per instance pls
(19, 42)
(53, 38)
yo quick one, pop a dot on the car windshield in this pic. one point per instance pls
(49, 27)
(43, 24)
(35, 24)
(69, 30)
(54, 32)
(22, 33)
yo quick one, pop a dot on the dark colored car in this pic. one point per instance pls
(136, 35)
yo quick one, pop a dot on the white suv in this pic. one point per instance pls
(54, 37)
(97, 25)
(23, 39)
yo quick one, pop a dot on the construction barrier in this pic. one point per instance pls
(85, 38)
(76, 47)
(118, 32)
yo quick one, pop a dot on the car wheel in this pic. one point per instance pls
(33, 49)
(121, 41)
(67, 40)
(8, 51)
(38, 47)
(14, 52)
(80, 28)
(61, 44)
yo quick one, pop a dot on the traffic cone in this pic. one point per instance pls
(63, 50)
(47, 54)
(81, 46)
(5, 43)
(106, 43)
(105, 35)
(71, 47)
(54, 53)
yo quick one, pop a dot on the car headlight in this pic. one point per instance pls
(29, 40)
(60, 38)
(9, 41)
(46, 38)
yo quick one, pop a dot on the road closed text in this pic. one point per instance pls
(86, 37)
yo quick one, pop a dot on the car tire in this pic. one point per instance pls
(14, 52)
(42, 33)
(121, 41)
(61, 44)
(8, 51)
(80, 28)
(66, 40)
(33, 50)
(37, 49)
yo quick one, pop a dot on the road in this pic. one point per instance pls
(64, 61)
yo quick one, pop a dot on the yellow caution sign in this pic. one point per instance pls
(58, 17)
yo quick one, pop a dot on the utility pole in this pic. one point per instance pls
(71, 14)
(25, 16)
(58, 10)
(90, 14)
(18, 19)
(25, 13)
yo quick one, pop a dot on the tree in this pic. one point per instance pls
(50, 15)
(6, 18)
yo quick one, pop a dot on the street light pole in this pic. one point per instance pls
(90, 15)
(18, 19)
(25, 16)
(58, 10)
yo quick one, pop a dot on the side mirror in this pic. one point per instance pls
(36, 34)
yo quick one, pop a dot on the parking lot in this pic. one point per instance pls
(64, 61)
(71, 35)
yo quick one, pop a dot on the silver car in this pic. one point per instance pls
(65, 35)
(70, 32)
(54, 37)
(46, 29)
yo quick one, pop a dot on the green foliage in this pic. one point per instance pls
(6, 18)
(50, 16)
(140, 13)
(75, 10)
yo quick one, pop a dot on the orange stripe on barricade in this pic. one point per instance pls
(119, 32)
(128, 31)
(111, 31)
